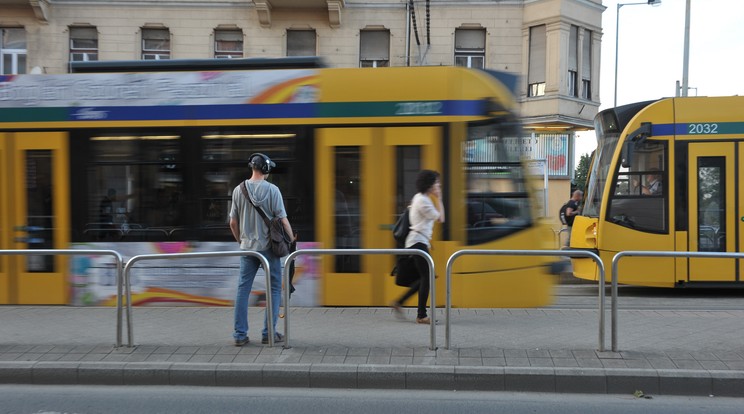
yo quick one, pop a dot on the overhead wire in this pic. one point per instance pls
(413, 18)
(428, 25)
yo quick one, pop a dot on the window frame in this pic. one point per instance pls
(374, 40)
(470, 51)
(16, 55)
(86, 52)
(156, 54)
(225, 53)
(537, 55)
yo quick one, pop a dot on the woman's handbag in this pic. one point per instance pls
(405, 271)
(278, 237)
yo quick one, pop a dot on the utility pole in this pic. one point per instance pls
(686, 59)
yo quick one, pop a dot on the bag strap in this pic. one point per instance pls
(244, 189)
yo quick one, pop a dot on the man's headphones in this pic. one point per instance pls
(261, 162)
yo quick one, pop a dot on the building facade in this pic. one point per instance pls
(552, 45)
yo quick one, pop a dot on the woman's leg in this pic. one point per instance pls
(423, 283)
(410, 292)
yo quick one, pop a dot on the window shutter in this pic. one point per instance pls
(538, 40)
(375, 45)
(586, 64)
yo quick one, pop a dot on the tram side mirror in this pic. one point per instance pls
(633, 140)
(627, 154)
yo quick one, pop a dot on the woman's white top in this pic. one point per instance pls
(423, 214)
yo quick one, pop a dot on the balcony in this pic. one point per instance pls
(265, 7)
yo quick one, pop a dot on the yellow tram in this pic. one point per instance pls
(667, 176)
(142, 158)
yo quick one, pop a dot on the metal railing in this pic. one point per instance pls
(360, 252)
(135, 259)
(75, 252)
(616, 260)
(571, 253)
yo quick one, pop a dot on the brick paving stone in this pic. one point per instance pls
(530, 343)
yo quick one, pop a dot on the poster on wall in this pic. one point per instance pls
(180, 282)
(554, 149)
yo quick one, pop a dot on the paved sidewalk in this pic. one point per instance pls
(545, 350)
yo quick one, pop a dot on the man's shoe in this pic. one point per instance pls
(241, 342)
(278, 338)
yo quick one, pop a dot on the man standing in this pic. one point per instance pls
(250, 230)
(572, 210)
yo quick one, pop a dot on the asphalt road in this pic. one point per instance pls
(22, 399)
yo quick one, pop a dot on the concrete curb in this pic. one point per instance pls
(433, 377)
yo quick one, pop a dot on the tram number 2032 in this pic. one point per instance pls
(702, 128)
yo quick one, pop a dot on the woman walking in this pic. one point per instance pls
(426, 208)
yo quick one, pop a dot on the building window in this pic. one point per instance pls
(374, 48)
(573, 61)
(228, 44)
(586, 66)
(12, 51)
(155, 44)
(83, 44)
(470, 48)
(536, 65)
(300, 42)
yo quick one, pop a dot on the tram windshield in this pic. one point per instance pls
(599, 173)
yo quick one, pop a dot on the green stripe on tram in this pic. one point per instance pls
(33, 114)
(357, 109)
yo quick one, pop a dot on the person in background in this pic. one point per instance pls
(426, 209)
(573, 210)
(250, 230)
(653, 183)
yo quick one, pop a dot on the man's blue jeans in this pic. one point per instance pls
(248, 267)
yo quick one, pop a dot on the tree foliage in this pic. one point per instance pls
(582, 172)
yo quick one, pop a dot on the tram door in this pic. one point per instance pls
(364, 176)
(35, 215)
(714, 225)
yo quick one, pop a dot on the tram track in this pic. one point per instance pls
(584, 296)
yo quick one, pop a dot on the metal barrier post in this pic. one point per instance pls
(571, 253)
(74, 252)
(359, 252)
(264, 263)
(616, 260)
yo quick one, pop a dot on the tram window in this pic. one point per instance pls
(711, 201)
(135, 185)
(639, 193)
(497, 202)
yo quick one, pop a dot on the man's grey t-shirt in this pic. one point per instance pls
(254, 234)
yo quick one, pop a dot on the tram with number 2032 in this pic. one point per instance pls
(667, 176)
(142, 157)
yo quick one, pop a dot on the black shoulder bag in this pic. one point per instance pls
(279, 240)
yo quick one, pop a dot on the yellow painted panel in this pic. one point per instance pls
(43, 289)
(50, 288)
(739, 215)
(585, 269)
(5, 233)
(345, 289)
(644, 271)
(518, 288)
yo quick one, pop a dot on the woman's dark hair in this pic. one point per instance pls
(425, 180)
